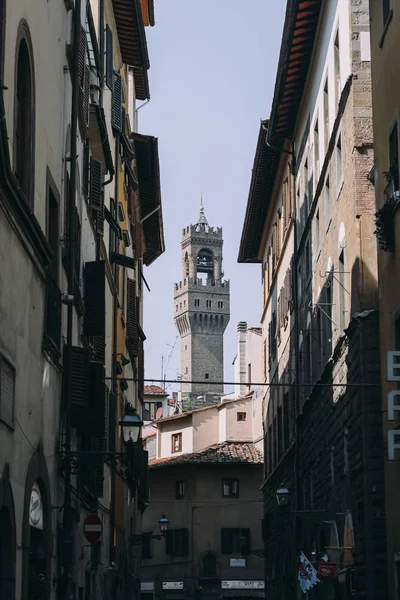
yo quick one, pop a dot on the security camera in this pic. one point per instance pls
(67, 299)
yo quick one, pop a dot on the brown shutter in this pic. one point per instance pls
(82, 57)
(78, 373)
(97, 399)
(109, 58)
(132, 324)
(100, 215)
(86, 95)
(116, 107)
(95, 190)
(95, 300)
(99, 348)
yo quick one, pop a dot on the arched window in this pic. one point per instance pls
(24, 114)
(2, 37)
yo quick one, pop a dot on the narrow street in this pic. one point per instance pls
(199, 300)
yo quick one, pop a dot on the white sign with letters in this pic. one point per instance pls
(393, 401)
(237, 562)
(242, 585)
(172, 585)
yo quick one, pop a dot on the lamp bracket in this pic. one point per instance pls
(84, 458)
(138, 540)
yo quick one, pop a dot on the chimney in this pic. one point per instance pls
(241, 356)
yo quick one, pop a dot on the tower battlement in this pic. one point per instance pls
(202, 310)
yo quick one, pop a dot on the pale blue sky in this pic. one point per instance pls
(212, 73)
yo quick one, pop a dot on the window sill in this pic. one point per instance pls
(385, 29)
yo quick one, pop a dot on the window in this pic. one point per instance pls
(208, 303)
(394, 158)
(180, 489)
(147, 550)
(230, 488)
(177, 542)
(7, 391)
(52, 328)
(176, 445)
(206, 375)
(326, 114)
(220, 304)
(196, 302)
(24, 119)
(249, 375)
(386, 10)
(241, 416)
(316, 151)
(235, 541)
(336, 61)
(327, 199)
(176, 308)
(339, 164)
(342, 292)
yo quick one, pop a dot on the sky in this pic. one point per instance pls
(212, 74)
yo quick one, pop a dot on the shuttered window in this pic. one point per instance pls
(177, 542)
(109, 58)
(95, 187)
(94, 323)
(235, 541)
(132, 323)
(7, 391)
(116, 108)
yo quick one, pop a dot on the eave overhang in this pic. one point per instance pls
(99, 141)
(148, 169)
(265, 167)
(132, 42)
(299, 33)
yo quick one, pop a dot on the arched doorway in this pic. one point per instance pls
(7, 539)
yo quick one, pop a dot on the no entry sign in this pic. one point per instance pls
(92, 528)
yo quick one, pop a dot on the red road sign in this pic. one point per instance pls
(92, 528)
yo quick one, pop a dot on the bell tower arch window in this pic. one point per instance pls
(205, 264)
(24, 114)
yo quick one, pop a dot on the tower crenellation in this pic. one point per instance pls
(201, 311)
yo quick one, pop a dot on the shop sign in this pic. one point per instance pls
(237, 562)
(393, 402)
(36, 508)
(242, 585)
(172, 585)
(326, 570)
(147, 586)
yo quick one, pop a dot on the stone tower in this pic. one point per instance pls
(201, 313)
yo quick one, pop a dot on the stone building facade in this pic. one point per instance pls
(385, 21)
(332, 466)
(75, 235)
(201, 313)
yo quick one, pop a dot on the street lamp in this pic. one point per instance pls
(163, 523)
(282, 495)
(131, 425)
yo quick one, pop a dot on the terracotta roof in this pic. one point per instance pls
(226, 453)
(154, 390)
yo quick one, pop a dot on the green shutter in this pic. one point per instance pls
(78, 374)
(94, 324)
(116, 108)
(95, 191)
(86, 95)
(82, 57)
(109, 58)
(132, 323)
(99, 215)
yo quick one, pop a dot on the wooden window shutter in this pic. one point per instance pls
(226, 541)
(132, 329)
(245, 533)
(99, 348)
(82, 57)
(78, 372)
(112, 421)
(123, 119)
(95, 190)
(95, 301)
(98, 445)
(85, 174)
(109, 58)
(185, 542)
(86, 95)
(97, 399)
(99, 214)
(169, 542)
(116, 108)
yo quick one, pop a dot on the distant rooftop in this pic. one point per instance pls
(225, 453)
(154, 390)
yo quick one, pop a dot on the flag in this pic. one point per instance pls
(307, 574)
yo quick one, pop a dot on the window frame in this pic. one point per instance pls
(10, 424)
(180, 489)
(240, 415)
(24, 37)
(230, 482)
(177, 436)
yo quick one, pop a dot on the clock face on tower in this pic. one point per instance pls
(36, 508)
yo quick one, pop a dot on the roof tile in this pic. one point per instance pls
(225, 453)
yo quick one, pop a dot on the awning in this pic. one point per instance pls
(148, 169)
(132, 41)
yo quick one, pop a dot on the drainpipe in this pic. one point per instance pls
(114, 375)
(63, 589)
(137, 116)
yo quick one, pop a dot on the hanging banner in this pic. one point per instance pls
(307, 574)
